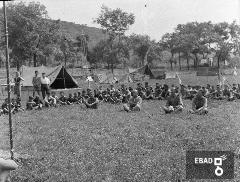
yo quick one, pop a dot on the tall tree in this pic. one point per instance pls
(140, 44)
(67, 48)
(114, 23)
(30, 30)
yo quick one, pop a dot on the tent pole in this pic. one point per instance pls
(64, 79)
(8, 81)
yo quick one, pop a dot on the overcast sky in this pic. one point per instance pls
(157, 18)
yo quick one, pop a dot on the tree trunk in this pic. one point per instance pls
(179, 61)
(45, 62)
(171, 63)
(218, 63)
(175, 64)
(188, 63)
(196, 58)
(112, 68)
(18, 66)
(34, 60)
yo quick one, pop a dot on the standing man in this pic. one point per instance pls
(36, 81)
(17, 87)
(45, 85)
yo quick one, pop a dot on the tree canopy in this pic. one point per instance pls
(30, 32)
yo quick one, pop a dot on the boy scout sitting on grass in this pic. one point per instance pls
(16, 105)
(174, 102)
(75, 98)
(149, 93)
(30, 104)
(70, 99)
(50, 101)
(228, 94)
(134, 103)
(218, 94)
(91, 102)
(63, 99)
(199, 104)
(157, 92)
(5, 107)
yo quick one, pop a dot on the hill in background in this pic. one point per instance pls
(95, 34)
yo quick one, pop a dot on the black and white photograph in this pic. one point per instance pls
(119, 90)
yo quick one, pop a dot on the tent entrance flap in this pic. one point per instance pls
(62, 79)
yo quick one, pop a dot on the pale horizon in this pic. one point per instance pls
(156, 19)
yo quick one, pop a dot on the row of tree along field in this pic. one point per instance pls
(34, 37)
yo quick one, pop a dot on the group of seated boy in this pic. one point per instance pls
(132, 98)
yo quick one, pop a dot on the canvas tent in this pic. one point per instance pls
(171, 74)
(125, 79)
(144, 70)
(59, 77)
(130, 70)
(108, 79)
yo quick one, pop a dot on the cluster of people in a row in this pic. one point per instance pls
(132, 98)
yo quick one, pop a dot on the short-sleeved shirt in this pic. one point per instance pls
(45, 81)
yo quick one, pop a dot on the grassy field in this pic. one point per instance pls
(75, 144)
(71, 143)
